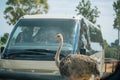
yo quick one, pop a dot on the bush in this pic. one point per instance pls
(112, 52)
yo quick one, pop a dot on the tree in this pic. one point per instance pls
(84, 8)
(105, 44)
(116, 7)
(4, 38)
(18, 8)
(115, 44)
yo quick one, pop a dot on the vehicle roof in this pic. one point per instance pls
(54, 16)
(45, 16)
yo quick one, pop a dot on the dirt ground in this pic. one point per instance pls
(110, 67)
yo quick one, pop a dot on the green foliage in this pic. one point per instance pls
(116, 7)
(116, 43)
(17, 8)
(84, 8)
(4, 38)
(112, 52)
(105, 44)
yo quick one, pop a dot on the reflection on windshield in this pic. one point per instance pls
(40, 34)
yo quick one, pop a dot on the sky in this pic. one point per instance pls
(67, 7)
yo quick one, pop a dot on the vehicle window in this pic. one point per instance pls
(95, 34)
(31, 34)
(43, 32)
(90, 38)
(95, 38)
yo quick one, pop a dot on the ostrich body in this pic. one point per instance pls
(76, 66)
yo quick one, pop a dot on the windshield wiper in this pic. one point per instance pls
(45, 51)
(27, 52)
(24, 53)
(41, 50)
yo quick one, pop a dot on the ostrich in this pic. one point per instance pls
(76, 66)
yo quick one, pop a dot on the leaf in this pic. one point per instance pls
(84, 8)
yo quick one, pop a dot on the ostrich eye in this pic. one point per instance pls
(58, 35)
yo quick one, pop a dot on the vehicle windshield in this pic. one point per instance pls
(40, 34)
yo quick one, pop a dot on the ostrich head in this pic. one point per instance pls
(59, 37)
(57, 59)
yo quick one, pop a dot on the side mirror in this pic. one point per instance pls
(83, 51)
(1, 49)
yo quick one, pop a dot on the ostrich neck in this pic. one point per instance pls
(57, 56)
